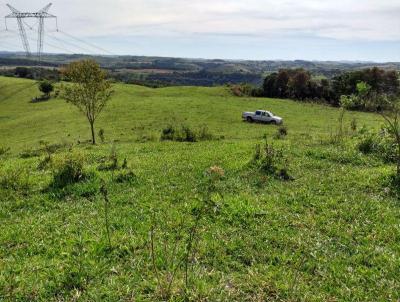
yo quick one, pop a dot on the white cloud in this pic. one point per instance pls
(337, 19)
(205, 23)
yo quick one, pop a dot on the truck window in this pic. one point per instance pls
(258, 112)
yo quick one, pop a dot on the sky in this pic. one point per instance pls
(340, 30)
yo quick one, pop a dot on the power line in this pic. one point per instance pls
(87, 43)
(70, 43)
(54, 46)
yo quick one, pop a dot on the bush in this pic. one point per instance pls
(281, 132)
(126, 176)
(101, 135)
(4, 151)
(110, 163)
(205, 134)
(28, 153)
(248, 90)
(270, 160)
(380, 144)
(353, 125)
(68, 169)
(15, 179)
(46, 87)
(184, 133)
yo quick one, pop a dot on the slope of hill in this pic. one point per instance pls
(330, 234)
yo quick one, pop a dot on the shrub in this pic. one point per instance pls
(367, 144)
(380, 144)
(271, 161)
(168, 133)
(353, 125)
(15, 179)
(68, 169)
(101, 135)
(111, 163)
(205, 134)
(126, 176)
(184, 133)
(124, 164)
(28, 153)
(4, 151)
(248, 90)
(39, 99)
(281, 132)
(46, 87)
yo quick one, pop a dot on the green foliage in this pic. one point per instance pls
(353, 125)
(68, 169)
(184, 133)
(111, 162)
(46, 87)
(15, 179)
(282, 132)
(262, 239)
(365, 84)
(4, 151)
(271, 161)
(101, 135)
(126, 176)
(89, 90)
(30, 152)
(246, 90)
(380, 144)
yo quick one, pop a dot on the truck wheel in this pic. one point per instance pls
(249, 119)
(273, 122)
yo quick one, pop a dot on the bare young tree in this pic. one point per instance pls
(89, 89)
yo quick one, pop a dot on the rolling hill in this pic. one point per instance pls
(331, 233)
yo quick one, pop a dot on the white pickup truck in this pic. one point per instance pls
(262, 116)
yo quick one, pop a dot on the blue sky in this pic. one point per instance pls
(228, 29)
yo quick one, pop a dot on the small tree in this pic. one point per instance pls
(46, 87)
(89, 89)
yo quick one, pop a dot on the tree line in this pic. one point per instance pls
(299, 84)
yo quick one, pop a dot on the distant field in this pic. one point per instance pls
(331, 234)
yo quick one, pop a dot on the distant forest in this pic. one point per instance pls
(159, 72)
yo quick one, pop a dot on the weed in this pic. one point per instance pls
(184, 133)
(101, 135)
(28, 153)
(205, 134)
(353, 125)
(127, 176)
(111, 163)
(380, 144)
(124, 164)
(76, 268)
(281, 133)
(4, 151)
(104, 193)
(68, 169)
(271, 161)
(185, 239)
(15, 179)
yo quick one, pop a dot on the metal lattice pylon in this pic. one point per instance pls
(40, 15)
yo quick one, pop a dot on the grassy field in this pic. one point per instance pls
(330, 234)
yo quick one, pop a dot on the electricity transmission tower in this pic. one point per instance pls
(40, 16)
